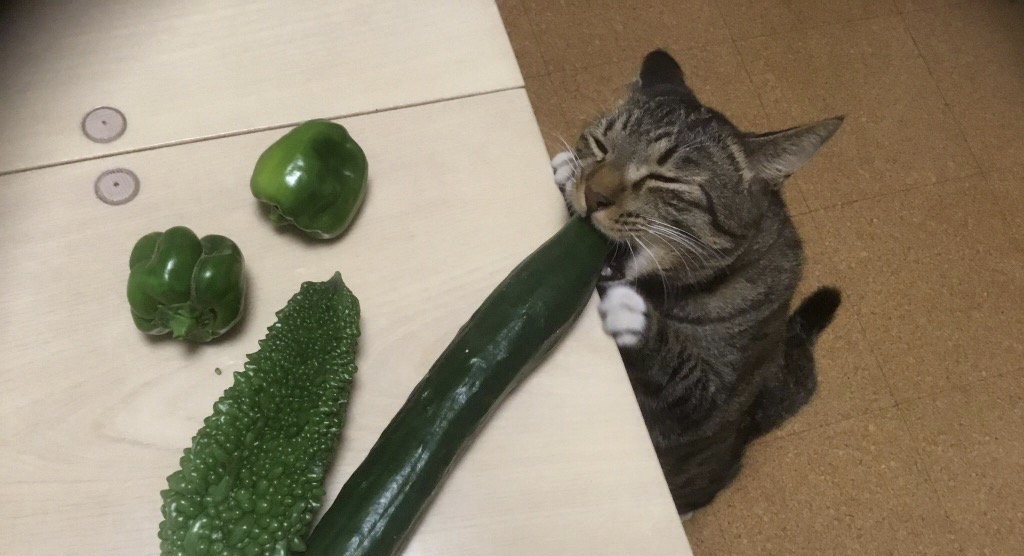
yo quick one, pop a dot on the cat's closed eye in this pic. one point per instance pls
(655, 177)
(666, 156)
(669, 158)
(598, 146)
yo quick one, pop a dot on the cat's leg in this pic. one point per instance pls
(623, 311)
(693, 427)
(624, 315)
(564, 165)
(796, 380)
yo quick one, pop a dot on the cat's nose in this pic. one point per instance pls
(596, 200)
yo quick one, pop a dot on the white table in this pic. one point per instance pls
(188, 69)
(94, 415)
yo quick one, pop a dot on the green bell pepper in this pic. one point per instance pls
(193, 288)
(313, 177)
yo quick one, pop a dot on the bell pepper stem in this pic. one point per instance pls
(180, 323)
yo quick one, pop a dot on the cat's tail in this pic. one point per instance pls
(814, 314)
(795, 386)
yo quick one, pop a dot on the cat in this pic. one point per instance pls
(707, 259)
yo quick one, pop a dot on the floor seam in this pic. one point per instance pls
(961, 126)
(935, 82)
(624, 60)
(919, 463)
(932, 8)
(817, 428)
(545, 134)
(953, 388)
(238, 133)
(823, 25)
(876, 359)
(536, 43)
(844, 204)
(754, 88)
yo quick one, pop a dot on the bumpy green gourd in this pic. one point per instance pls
(253, 479)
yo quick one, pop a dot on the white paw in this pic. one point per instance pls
(624, 314)
(564, 166)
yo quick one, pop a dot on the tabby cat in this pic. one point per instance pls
(697, 293)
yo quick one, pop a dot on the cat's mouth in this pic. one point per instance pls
(603, 227)
(601, 219)
(613, 232)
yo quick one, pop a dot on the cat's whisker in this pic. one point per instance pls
(687, 242)
(629, 244)
(687, 254)
(558, 137)
(673, 242)
(683, 255)
(686, 233)
(661, 271)
(708, 259)
(671, 238)
(689, 145)
(574, 158)
(689, 238)
(670, 226)
(563, 142)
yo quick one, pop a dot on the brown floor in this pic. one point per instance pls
(915, 441)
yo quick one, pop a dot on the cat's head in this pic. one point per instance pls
(675, 180)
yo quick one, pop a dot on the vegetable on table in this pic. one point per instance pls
(313, 177)
(252, 480)
(193, 288)
(509, 335)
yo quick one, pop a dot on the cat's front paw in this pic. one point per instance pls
(564, 166)
(624, 315)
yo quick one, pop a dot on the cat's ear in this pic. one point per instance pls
(660, 69)
(776, 155)
(661, 76)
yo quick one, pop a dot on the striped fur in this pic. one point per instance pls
(703, 236)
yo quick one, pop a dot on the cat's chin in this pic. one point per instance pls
(603, 227)
(614, 238)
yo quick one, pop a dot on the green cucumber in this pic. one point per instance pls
(506, 338)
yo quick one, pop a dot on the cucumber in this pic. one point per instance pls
(507, 337)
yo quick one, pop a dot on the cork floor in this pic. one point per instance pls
(914, 443)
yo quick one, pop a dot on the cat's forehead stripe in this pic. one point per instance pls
(634, 172)
(608, 123)
(663, 134)
(740, 157)
(668, 154)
